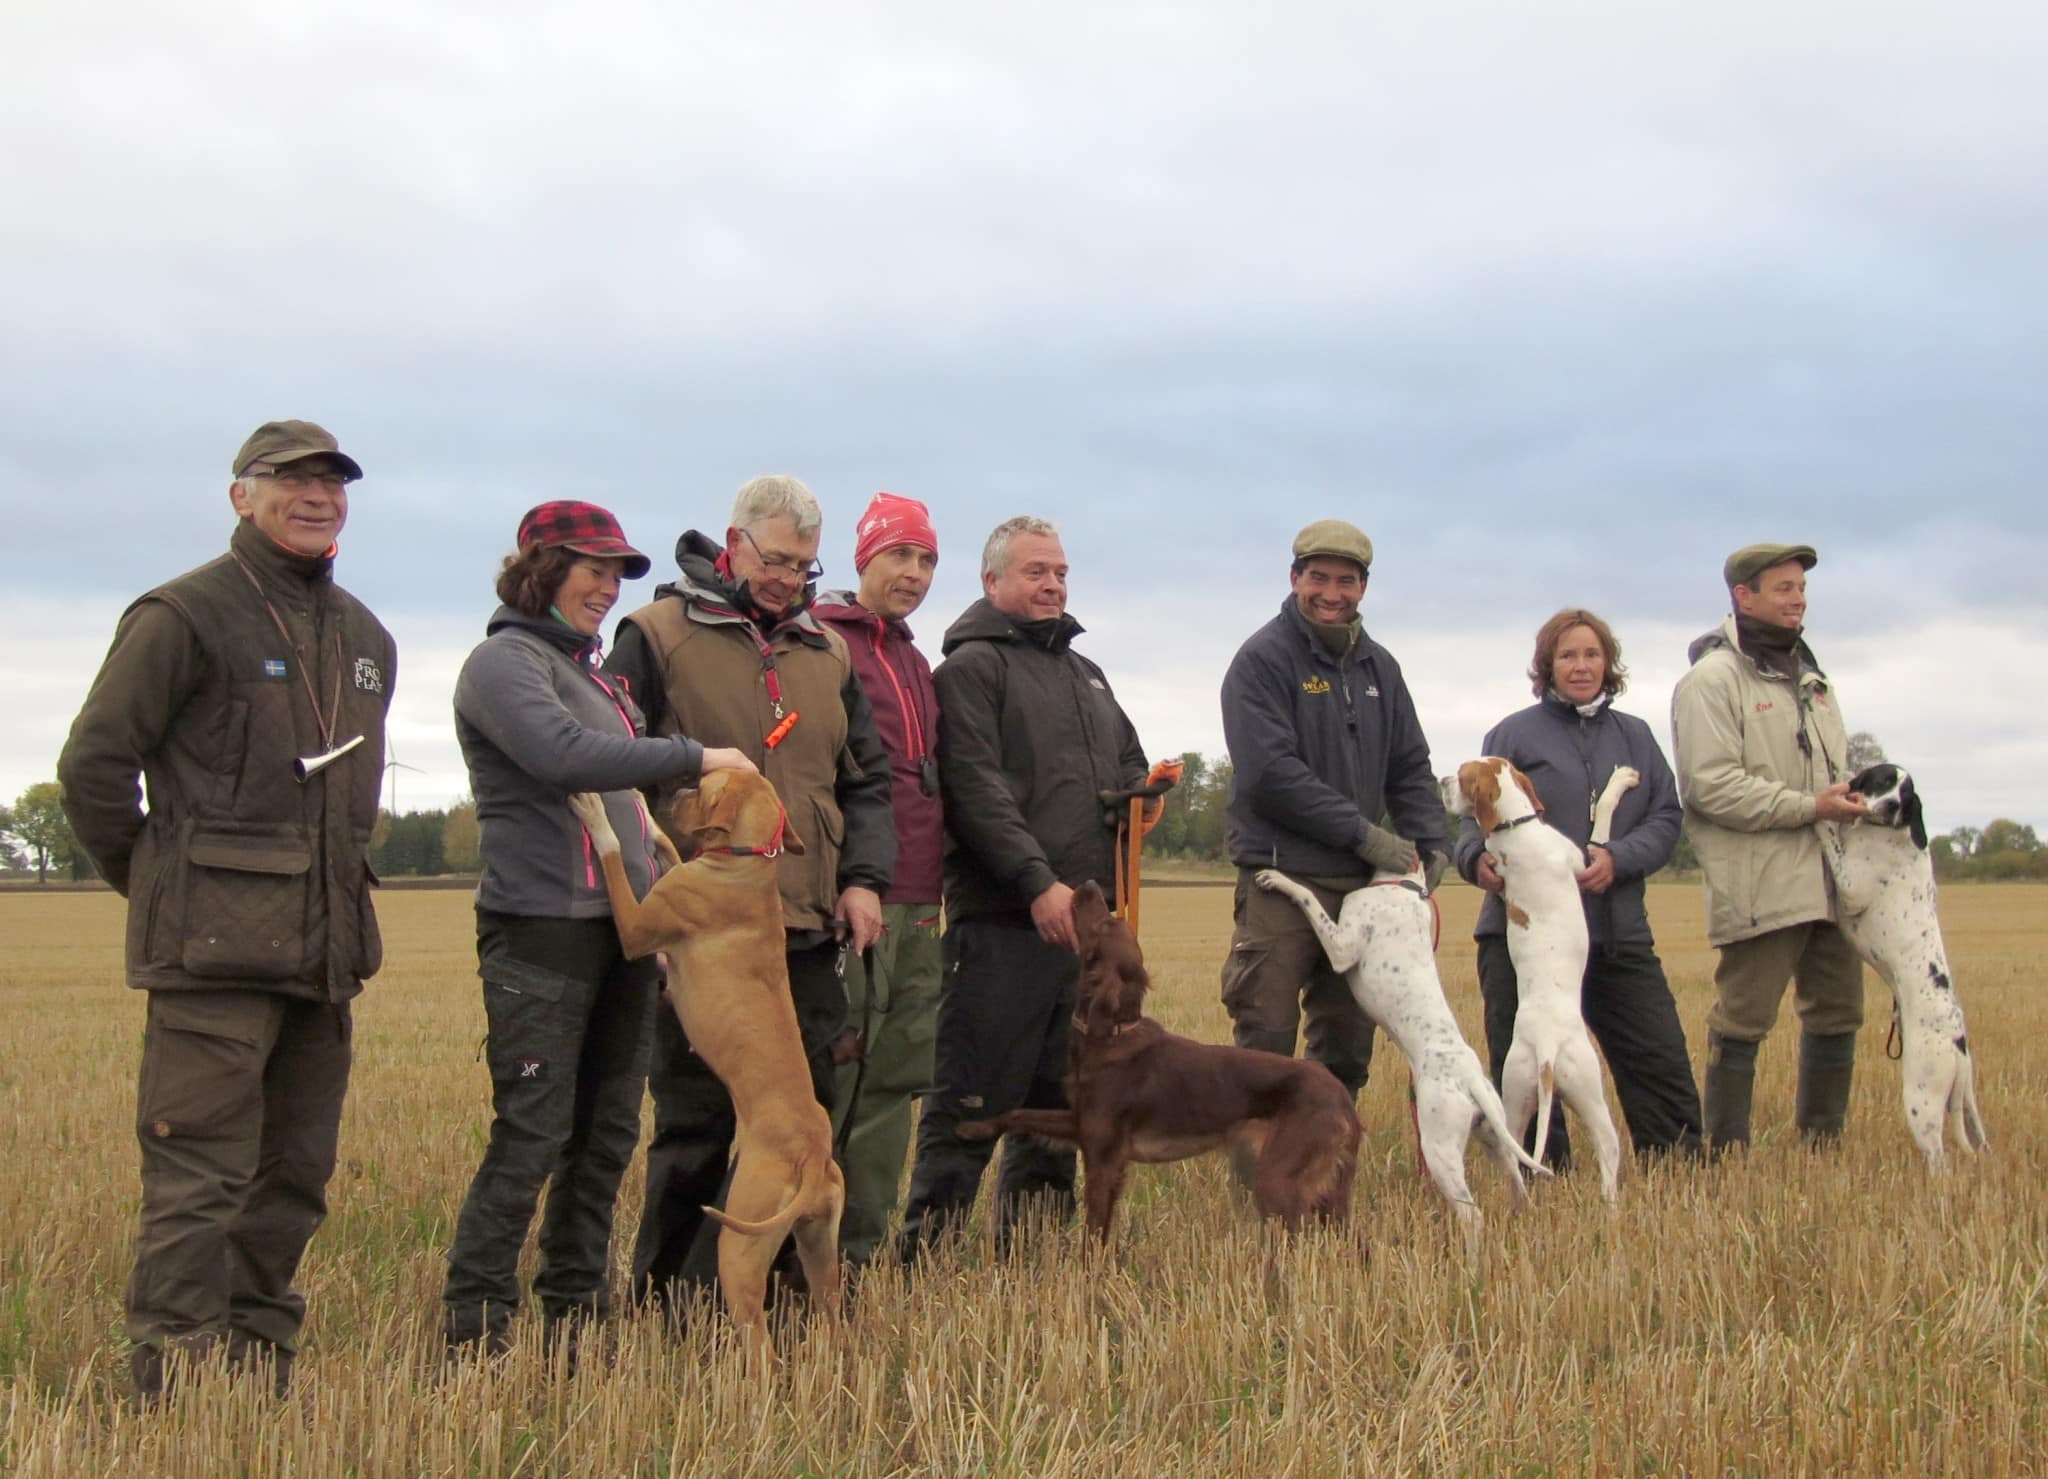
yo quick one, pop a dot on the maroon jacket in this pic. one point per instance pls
(898, 683)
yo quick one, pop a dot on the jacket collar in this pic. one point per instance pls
(275, 564)
(709, 599)
(844, 606)
(982, 622)
(559, 635)
(1290, 611)
(1724, 636)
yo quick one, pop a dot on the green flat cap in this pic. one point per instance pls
(1752, 560)
(1334, 537)
(279, 442)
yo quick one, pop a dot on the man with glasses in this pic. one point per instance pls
(731, 654)
(251, 694)
(1324, 745)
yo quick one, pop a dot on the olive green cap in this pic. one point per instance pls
(1334, 537)
(279, 442)
(1752, 560)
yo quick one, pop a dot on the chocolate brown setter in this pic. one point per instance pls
(1139, 1093)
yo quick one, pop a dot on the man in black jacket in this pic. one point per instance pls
(1323, 743)
(1029, 737)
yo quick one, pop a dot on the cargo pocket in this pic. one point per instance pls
(528, 1038)
(245, 907)
(823, 844)
(202, 1064)
(1241, 972)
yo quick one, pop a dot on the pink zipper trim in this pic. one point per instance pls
(646, 841)
(903, 698)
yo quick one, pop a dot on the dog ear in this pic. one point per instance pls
(1909, 803)
(791, 843)
(1528, 788)
(1482, 788)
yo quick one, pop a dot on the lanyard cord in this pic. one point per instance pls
(324, 721)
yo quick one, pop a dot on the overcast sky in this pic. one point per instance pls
(1559, 302)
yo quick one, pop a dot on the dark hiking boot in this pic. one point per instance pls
(475, 1333)
(1827, 1064)
(1730, 1085)
(264, 1359)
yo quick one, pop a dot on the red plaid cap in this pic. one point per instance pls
(583, 527)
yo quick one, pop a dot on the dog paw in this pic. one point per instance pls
(1625, 776)
(589, 809)
(975, 1130)
(1272, 880)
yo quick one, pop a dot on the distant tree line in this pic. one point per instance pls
(35, 837)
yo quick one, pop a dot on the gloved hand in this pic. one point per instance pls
(1387, 852)
(1433, 865)
(1170, 772)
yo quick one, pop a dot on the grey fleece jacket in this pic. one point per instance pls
(538, 720)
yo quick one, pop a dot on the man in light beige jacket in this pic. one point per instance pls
(1762, 755)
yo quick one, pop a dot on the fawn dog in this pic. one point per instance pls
(1139, 1093)
(719, 918)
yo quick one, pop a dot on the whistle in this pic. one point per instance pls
(781, 731)
(307, 766)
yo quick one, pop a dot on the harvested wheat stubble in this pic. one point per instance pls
(1787, 1314)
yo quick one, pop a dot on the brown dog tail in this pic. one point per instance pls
(793, 1211)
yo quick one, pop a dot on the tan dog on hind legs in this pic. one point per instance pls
(719, 918)
(1380, 943)
(1553, 1054)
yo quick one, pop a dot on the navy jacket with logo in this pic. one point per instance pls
(1319, 746)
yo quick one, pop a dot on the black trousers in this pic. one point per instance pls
(1004, 1009)
(1628, 1007)
(568, 1046)
(689, 1161)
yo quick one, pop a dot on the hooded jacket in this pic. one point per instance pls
(1753, 748)
(238, 875)
(699, 663)
(1319, 746)
(1569, 759)
(1029, 735)
(537, 720)
(898, 684)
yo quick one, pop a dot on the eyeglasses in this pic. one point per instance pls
(782, 564)
(301, 478)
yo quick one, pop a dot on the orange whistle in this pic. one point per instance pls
(781, 731)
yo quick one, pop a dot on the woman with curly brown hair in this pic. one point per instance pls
(570, 1018)
(1568, 743)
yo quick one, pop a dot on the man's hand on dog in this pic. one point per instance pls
(1052, 912)
(861, 908)
(1838, 804)
(1487, 876)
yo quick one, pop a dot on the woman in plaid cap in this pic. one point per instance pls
(570, 1017)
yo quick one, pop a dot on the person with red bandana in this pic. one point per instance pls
(893, 989)
(251, 694)
(732, 654)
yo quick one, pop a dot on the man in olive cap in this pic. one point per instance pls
(1762, 755)
(251, 693)
(1330, 780)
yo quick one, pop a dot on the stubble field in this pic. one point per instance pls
(1788, 1313)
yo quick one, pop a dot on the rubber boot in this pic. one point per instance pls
(1730, 1083)
(1827, 1063)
